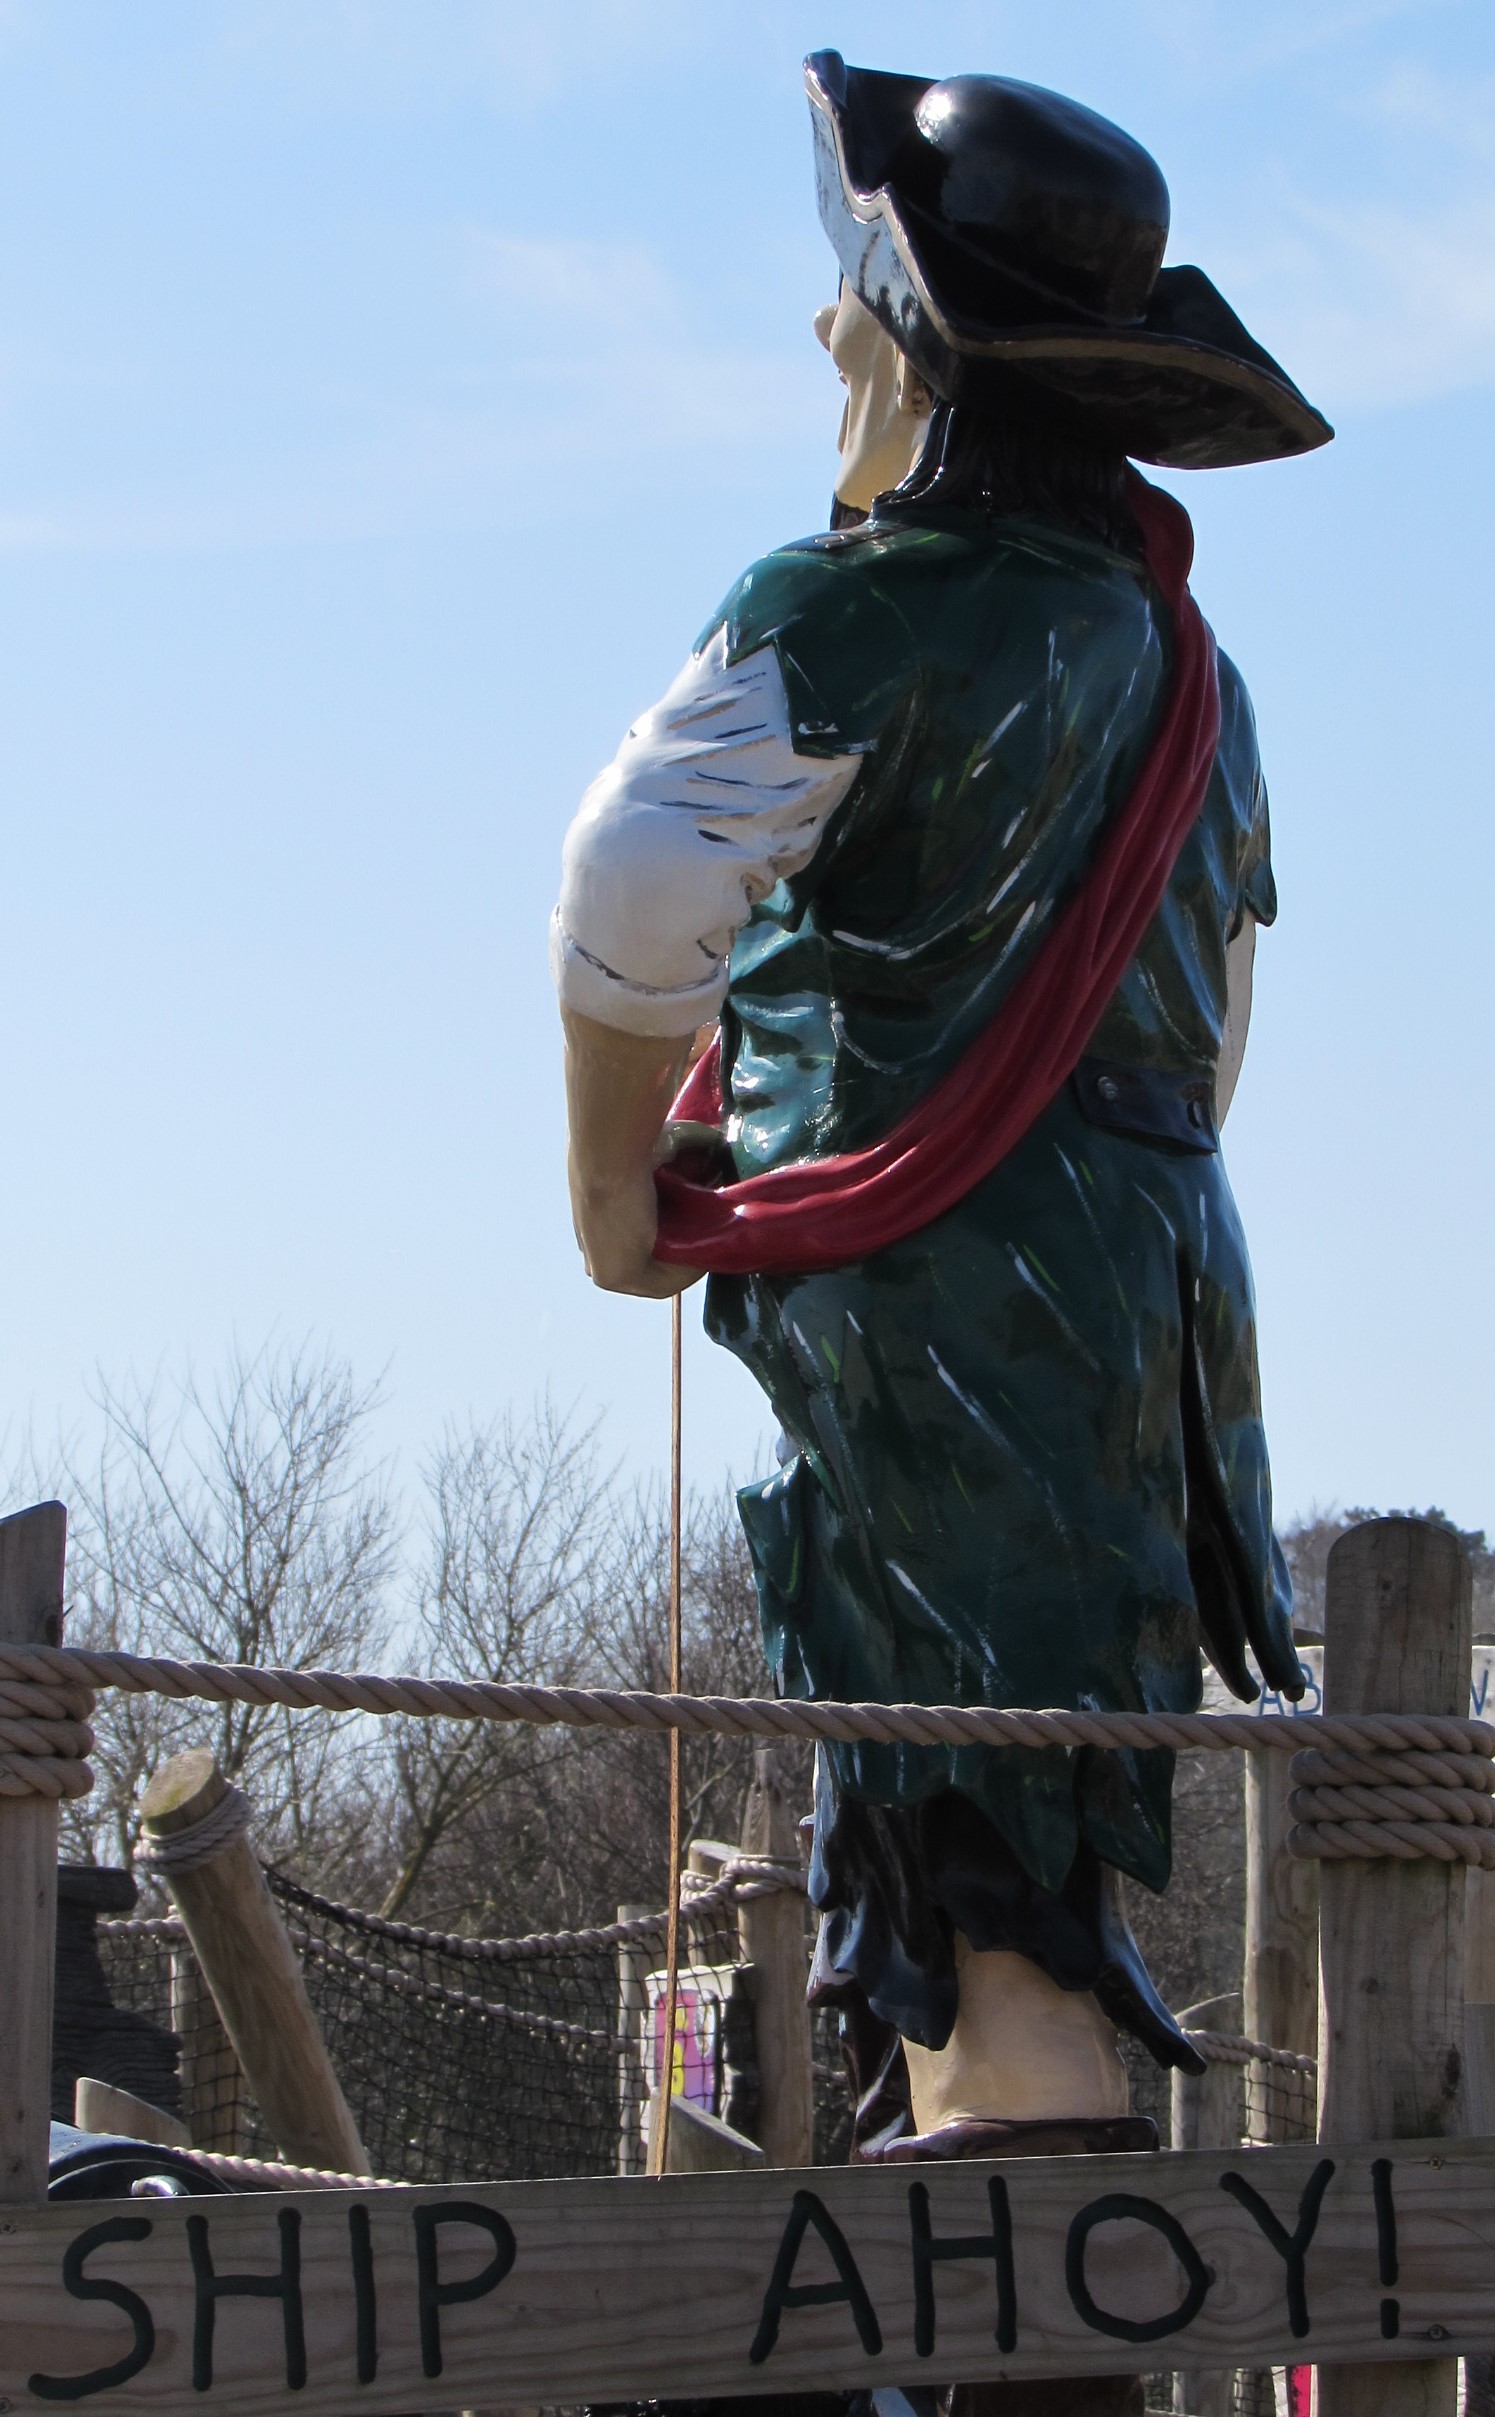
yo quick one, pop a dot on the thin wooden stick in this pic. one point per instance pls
(660, 2142)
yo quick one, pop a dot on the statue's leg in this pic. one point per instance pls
(1022, 2048)
(1009, 1997)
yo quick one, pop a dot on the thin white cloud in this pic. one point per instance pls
(384, 52)
(587, 368)
(575, 289)
(613, 343)
(1369, 304)
(1455, 113)
(1219, 42)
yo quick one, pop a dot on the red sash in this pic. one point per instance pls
(823, 1212)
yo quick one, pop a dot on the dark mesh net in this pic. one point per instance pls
(472, 2058)
(515, 2057)
(1281, 2102)
(150, 1970)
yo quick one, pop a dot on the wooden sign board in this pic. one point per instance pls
(1218, 1697)
(559, 2292)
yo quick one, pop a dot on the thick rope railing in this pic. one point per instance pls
(267, 2173)
(1373, 1784)
(744, 1876)
(1225, 2048)
(696, 1904)
(51, 1668)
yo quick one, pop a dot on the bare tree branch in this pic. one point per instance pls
(240, 1525)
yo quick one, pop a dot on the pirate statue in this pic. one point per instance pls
(953, 828)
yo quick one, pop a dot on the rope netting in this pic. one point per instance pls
(462, 2057)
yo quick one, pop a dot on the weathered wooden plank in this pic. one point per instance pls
(558, 2292)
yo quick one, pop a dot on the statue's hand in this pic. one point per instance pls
(616, 1226)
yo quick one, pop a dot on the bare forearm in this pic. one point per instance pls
(619, 1086)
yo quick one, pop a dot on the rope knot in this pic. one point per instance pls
(1409, 1805)
(742, 1876)
(204, 1842)
(44, 1737)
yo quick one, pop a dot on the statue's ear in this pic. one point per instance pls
(914, 397)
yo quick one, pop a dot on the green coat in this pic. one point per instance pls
(1026, 1460)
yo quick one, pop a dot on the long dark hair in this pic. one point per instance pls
(1002, 466)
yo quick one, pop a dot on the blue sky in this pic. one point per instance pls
(387, 393)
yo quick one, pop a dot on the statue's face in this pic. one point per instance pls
(887, 409)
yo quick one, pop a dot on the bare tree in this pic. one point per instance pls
(515, 1829)
(1307, 1543)
(722, 1654)
(516, 1537)
(242, 1523)
(236, 1525)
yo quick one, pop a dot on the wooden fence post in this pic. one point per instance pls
(1479, 2079)
(33, 1550)
(248, 1962)
(1208, 2111)
(772, 1931)
(1282, 1920)
(633, 2010)
(1479, 2007)
(1391, 2025)
(1208, 2108)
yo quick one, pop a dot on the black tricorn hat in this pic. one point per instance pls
(1011, 243)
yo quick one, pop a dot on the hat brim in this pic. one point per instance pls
(1187, 387)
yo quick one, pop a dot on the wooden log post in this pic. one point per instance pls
(772, 1933)
(633, 2015)
(1479, 2007)
(1391, 2025)
(33, 1548)
(1479, 2079)
(1208, 2108)
(214, 2093)
(1208, 2111)
(1282, 1923)
(248, 1962)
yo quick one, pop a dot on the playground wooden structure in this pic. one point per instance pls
(1370, 2254)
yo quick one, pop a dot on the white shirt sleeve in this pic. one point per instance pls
(703, 809)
